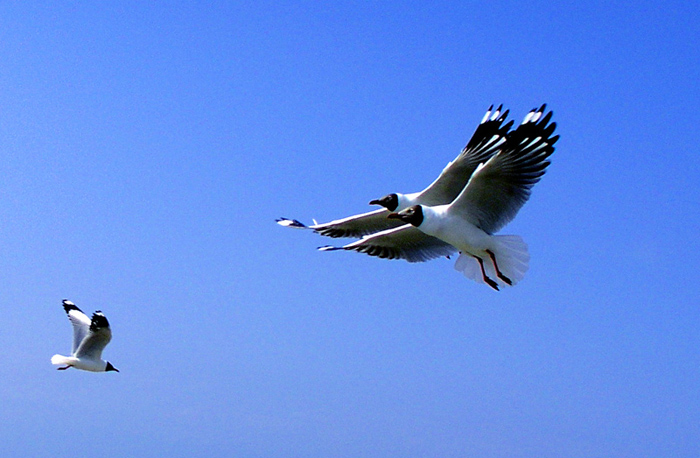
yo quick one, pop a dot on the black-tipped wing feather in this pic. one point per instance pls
(486, 141)
(404, 242)
(501, 186)
(352, 226)
(80, 322)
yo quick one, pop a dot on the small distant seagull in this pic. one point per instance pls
(485, 142)
(90, 337)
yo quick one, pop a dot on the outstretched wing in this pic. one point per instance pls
(97, 338)
(501, 186)
(80, 322)
(486, 141)
(404, 242)
(352, 226)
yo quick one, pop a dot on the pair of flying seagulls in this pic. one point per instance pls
(476, 194)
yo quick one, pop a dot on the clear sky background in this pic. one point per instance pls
(147, 150)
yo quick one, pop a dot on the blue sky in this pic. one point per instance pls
(147, 149)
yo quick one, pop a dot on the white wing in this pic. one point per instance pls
(488, 137)
(97, 338)
(404, 242)
(80, 322)
(352, 226)
(500, 187)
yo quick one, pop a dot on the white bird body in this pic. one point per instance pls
(440, 222)
(476, 245)
(90, 337)
(86, 364)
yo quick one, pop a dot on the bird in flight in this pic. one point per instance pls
(496, 191)
(90, 337)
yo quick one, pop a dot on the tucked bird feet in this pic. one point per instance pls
(488, 281)
(491, 283)
(498, 272)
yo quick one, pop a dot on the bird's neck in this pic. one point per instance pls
(406, 200)
(433, 219)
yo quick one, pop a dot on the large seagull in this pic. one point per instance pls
(493, 196)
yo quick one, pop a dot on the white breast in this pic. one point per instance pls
(451, 228)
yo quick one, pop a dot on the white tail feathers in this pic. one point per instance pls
(511, 255)
(60, 360)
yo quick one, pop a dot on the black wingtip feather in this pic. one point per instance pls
(329, 248)
(549, 130)
(545, 119)
(98, 321)
(288, 222)
(68, 306)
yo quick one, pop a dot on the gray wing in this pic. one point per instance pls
(352, 226)
(501, 186)
(97, 338)
(485, 142)
(404, 242)
(80, 322)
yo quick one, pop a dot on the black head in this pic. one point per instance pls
(412, 215)
(110, 367)
(390, 202)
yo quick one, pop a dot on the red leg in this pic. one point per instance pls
(498, 272)
(488, 281)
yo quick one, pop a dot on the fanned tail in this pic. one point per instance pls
(59, 360)
(511, 255)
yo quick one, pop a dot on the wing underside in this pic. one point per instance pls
(404, 242)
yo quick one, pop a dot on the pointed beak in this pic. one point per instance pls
(393, 216)
(375, 202)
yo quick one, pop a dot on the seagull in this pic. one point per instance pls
(496, 191)
(90, 337)
(485, 142)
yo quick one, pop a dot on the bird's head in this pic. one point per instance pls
(109, 367)
(390, 202)
(412, 215)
